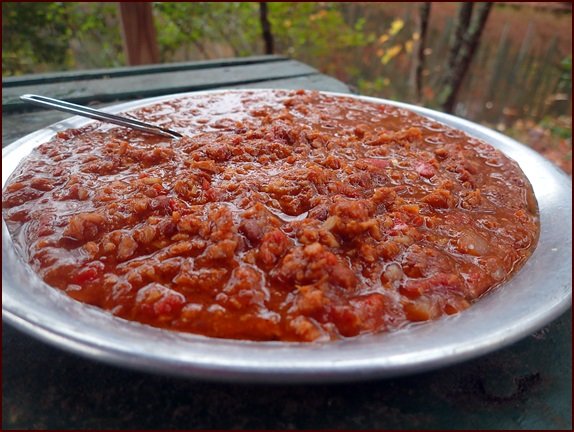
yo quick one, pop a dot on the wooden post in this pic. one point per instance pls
(138, 33)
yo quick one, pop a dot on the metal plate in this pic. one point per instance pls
(537, 294)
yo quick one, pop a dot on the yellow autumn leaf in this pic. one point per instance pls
(409, 46)
(416, 36)
(384, 38)
(391, 53)
(396, 26)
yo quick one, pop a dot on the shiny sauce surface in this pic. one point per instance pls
(282, 215)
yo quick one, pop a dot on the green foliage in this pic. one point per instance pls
(79, 35)
(315, 32)
(376, 86)
(207, 28)
(565, 80)
(97, 41)
(367, 46)
(33, 36)
(559, 127)
(37, 37)
(566, 64)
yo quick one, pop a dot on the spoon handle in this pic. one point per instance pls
(98, 115)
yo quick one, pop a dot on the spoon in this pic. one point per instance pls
(99, 115)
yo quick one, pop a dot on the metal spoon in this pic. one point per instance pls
(99, 115)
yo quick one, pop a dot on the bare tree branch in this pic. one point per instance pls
(457, 38)
(424, 13)
(266, 28)
(459, 60)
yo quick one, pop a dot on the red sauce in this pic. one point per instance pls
(289, 216)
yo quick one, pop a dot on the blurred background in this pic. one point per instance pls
(507, 65)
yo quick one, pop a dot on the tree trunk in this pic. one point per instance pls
(419, 63)
(138, 31)
(265, 28)
(457, 38)
(463, 46)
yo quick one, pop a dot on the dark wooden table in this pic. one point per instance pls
(525, 386)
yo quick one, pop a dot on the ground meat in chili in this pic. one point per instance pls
(283, 215)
